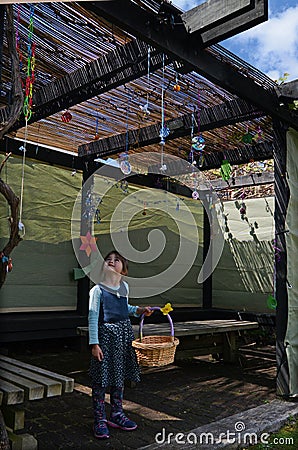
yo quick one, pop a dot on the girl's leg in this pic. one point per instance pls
(118, 419)
(101, 430)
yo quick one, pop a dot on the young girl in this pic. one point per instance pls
(110, 336)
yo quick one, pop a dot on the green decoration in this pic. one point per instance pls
(247, 138)
(271, 302)
(80, 273)
(225, 170)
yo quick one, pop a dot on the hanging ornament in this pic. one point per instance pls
(144, 209)
(28, 97)
(97, 216)
(198, 143)
(225, 170)
(145, 109)
(125, 166)
(163, 134)
(247, 137)
(66, 117)
(271, 301)
(96, 136)
(123, 186)
(259, 135)
(88, 243)
(195, 195)
(176, 86)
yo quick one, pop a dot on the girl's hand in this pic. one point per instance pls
(144, 310)
(97, 352)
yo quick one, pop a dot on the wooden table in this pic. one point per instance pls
(199, 337)
(20, 382)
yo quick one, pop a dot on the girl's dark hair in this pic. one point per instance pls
(122, 259)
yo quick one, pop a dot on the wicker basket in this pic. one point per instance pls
(155, 351)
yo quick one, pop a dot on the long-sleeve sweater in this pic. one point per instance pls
(94, 309)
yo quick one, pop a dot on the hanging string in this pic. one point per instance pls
(164, 132)
(27, 107)
(148, 77)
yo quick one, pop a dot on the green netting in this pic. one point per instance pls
(42, 275)
(45, 267)
(291, 338)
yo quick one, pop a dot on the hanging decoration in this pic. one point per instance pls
(124, 163)
(247, 138)
(197, 142)
(7, 261)
(177, 86)
(88, 244)
(258, 137)
(144, 209)
(225, 170)
(164, 131)
(28, 101)
(125, 166)
(123, 185)
(30, 76)
(145, 108)
(91, 207)
(96, 136)
(18, 39)
(66, 116)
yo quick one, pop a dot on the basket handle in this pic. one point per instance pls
(154, 308)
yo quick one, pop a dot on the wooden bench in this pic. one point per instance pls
(198, 338)
(20, 382)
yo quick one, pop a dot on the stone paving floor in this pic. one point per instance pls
(174, 398)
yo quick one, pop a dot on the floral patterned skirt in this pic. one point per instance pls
(119, 359)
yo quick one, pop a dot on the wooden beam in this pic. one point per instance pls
(226, 113)
(235, 25)
(178, 44)
(42, 154)
(214, 12)
(124, 64)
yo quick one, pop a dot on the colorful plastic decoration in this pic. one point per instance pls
(258, 136)
(198, 143)
(195, 195)
(225, 170)
(163, 134)
(30, 78)
(88, 243)
(247, 138)
(66, 117)
(271, 302)
(125, 166)
(166, 309)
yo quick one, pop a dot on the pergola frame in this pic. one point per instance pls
(258, 101)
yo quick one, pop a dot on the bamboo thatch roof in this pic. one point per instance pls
(105, 77)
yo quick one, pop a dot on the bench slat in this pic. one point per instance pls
(32, 390)
(11, 394)
(52, 387)
(66, 382)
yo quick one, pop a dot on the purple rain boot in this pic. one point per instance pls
(118, 419)
(100, 428)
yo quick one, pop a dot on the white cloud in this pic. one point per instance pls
(273, 45)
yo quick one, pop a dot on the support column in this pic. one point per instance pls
(281, 203)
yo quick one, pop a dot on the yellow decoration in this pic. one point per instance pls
(166, 309)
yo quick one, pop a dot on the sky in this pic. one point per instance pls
(272, 46)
